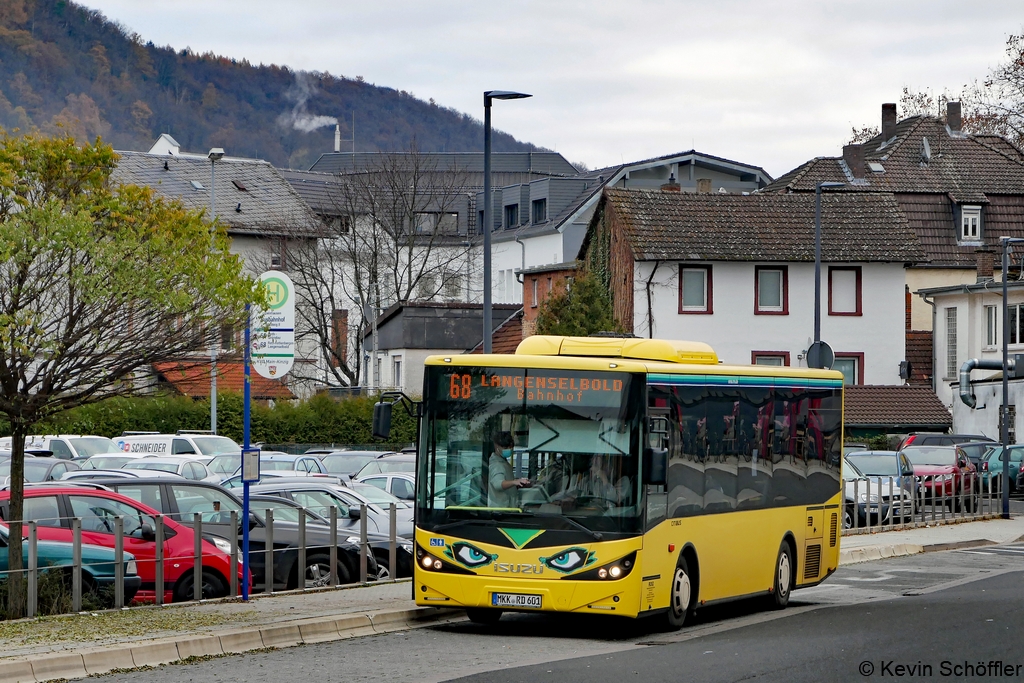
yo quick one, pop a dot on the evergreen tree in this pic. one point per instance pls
(582, 308)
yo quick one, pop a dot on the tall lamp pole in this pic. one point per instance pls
(489, 204)
(215, 155)
(1004, 430)
(817, 255)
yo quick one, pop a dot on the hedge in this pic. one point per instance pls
(318, 420)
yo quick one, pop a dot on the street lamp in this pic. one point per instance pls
(817, 254)
(489, 203)
(215, 155)
(1004, 436)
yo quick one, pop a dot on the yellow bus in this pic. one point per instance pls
(631, 477)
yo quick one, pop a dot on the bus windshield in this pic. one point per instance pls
(532, 446)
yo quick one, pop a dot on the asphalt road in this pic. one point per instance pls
(953, 607)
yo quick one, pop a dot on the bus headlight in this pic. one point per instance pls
(431, 563)
(609, 572)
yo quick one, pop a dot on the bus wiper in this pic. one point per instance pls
(452, 525)
(596, 534)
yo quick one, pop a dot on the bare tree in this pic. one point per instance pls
(97, 283)
(394, 232)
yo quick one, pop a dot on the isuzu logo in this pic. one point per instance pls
(510, 568)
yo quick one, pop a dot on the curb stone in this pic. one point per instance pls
(92, 661)
(881, 552)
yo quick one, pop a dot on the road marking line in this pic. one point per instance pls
(958, 582)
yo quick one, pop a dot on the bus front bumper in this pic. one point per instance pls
(617, 597)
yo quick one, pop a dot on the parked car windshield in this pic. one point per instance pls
(142, 464)
(226, 465)
(875, 465)
(277, 465)
(850, 470)
(344, 463)
(215, 445)
(931, 455)
(375, 495)
(107, 462)
(91, 445)
(35, 470)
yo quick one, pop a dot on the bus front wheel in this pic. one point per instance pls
(680, 596)
(783, 577)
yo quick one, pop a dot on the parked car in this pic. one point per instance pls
(936, 439)
(66, 446)
(853, 447)
(288, 510)
(182, 443)
(53, 507)
(876, 469)
(286, 462)
(399, 462)
(38, 469)
(183, 466)
(992, 468)
(98, 568)
(181, 500)
(225, 464)
(107, 461)
(401, 485)
(89, 475)
(348, 463)
(945, 470)
(977, 451)
(321, 497)
(235, 482)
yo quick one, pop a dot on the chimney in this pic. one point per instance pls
(953, 118)
(703, 185)
(337, 137)
(983, 258)
(671, 185)
(888, 120)
(853, 155)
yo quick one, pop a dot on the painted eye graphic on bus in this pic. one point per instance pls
(469, 555)
(569, 560)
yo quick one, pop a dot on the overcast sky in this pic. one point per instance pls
(767, 83)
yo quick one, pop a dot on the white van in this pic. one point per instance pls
(182, 443)
(66, 446)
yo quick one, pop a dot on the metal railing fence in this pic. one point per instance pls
(199, 574)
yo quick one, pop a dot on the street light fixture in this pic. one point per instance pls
(215, 155)
(817, 261)
(489, 203)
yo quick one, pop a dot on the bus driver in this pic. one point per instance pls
(502, 488)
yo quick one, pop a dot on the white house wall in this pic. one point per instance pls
(734, 331)
(983, 419)
(507, 257)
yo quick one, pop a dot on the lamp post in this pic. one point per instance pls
(215, 155)
(817, 254)
(489, 204)
(1004, 432)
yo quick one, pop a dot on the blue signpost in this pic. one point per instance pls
(246, 456)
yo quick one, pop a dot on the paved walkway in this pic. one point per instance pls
(74, 646)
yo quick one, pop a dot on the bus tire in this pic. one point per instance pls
(680, 596)
(783, 584)
(482, 615)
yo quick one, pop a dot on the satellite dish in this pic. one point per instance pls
(820, 356)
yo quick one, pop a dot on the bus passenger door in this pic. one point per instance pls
(810, 567)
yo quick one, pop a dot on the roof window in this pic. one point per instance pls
(239, 185)
(876, 167)
(197, 185)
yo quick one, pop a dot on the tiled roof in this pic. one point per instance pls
(762, 227)
(966, 166)
(193, 379)
(919, 353)
(252, 196)
(321, 191)
(506, 337)
(905, 408)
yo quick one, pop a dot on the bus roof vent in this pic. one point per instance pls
(662, 350)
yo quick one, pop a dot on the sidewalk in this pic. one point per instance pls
(876, 546)
(79, 645)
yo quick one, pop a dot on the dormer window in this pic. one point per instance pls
(970, 223)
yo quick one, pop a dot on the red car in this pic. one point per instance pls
(945, 470)
(53, 507)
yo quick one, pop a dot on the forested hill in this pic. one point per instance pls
(62, 64)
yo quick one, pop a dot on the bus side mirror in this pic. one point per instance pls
(382, 420)
(655, 465)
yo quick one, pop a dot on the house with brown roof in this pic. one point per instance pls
(873, 410)
(959, 193)
(737, 272)
(264, 217)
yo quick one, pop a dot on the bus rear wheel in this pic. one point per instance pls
(783, 583)
(479, 615)
(680, 596)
